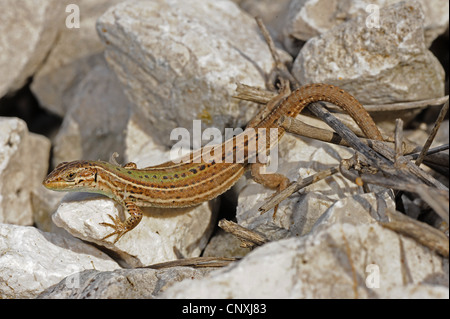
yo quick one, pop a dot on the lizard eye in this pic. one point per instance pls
(70, 176)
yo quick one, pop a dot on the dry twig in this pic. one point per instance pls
(433, 133)
(405, 105)
(247, 237)
(399, 178)
(196, 262)
(280, 70)
(398, 140)
(421, 232)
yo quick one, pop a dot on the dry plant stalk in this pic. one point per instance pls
(421, 232)
(195, 262)
(399, 178)
(433, 133)
(247, 237)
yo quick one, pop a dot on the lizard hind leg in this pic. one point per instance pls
(274, 181)
(121, 228)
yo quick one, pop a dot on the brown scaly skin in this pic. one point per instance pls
(189, 184)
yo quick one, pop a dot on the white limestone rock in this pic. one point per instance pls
(121, 284)
(98, 116)
(27, 31)
(31, 261)
(161, 235)
(180, 60)
(377, 65)
(45, 202)
(347, 255)
(75, 52)
(223, 244)
(417, 291)
(23, 166)
(310, 18)
(140, 147)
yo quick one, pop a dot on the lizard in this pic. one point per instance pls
(189, 183)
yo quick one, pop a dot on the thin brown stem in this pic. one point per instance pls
(433, 133)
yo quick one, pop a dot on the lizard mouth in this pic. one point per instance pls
(50, 184)
(56, 185)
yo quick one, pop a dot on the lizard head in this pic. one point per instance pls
(76, 175)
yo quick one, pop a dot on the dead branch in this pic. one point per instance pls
(399, 178)
(247, 237)
(421, 232)
(433, 133)
(196, 262)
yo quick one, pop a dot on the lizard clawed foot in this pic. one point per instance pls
(119, 228)
(282, 186)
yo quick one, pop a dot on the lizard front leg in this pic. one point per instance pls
(121, 228)
(130, 165)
